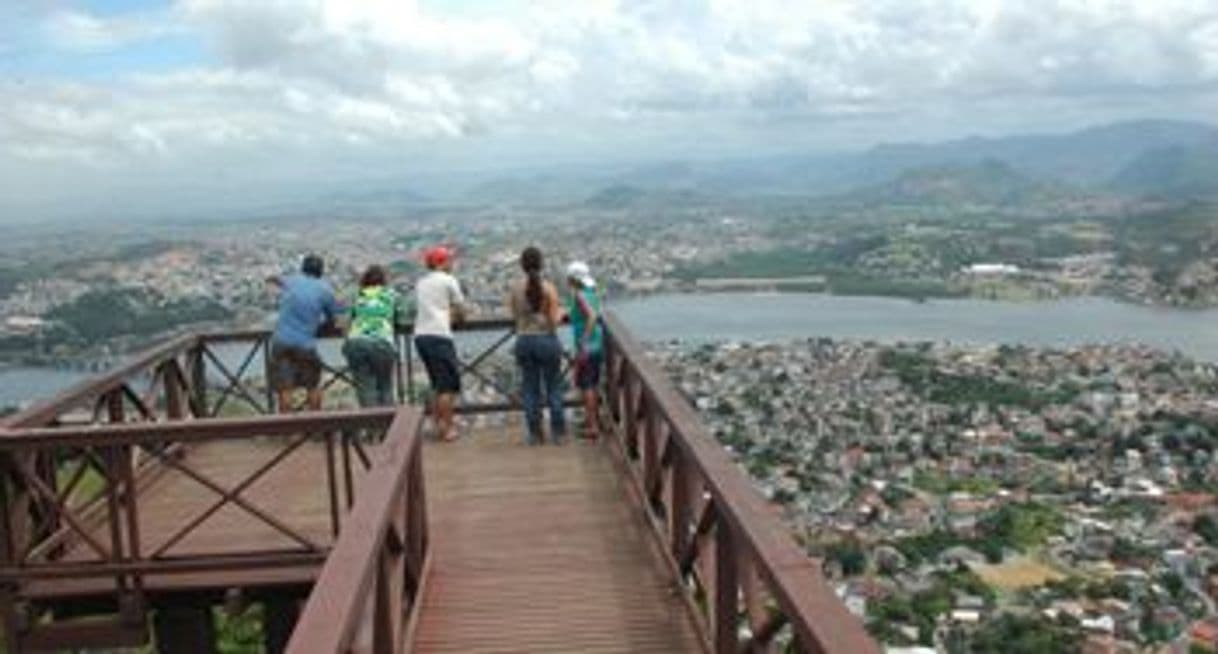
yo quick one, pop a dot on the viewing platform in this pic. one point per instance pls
(139, 502)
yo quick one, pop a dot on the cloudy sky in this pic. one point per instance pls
(106, 104)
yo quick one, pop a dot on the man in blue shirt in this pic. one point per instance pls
(306, 302)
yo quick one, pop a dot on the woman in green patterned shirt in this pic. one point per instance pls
(369, 348)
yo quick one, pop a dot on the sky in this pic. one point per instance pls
(110, 105)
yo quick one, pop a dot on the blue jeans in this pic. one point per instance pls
(540, 359)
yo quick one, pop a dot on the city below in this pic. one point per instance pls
(989, 404)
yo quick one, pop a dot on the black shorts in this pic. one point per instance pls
(588, 374)
(439, 356)
(295, 367)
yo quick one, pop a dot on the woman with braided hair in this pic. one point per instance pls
(534, 305)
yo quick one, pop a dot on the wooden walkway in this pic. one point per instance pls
(537, 549)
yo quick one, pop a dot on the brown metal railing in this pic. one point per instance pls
(188, 377)
(746, 583)
(168, 371)
(101, 536)
(366, 595)
(745, 579)
(246, 382)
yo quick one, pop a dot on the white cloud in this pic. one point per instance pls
(382, 75)
(79, 31)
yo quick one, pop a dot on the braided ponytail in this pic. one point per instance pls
(531, 262)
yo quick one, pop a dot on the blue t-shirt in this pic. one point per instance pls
(305, 303)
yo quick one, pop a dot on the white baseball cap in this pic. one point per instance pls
(578, 270)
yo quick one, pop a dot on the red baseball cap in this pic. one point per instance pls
(437, 256)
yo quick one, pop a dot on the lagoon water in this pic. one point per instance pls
(752, 316)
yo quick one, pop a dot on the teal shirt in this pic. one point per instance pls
(579, 322)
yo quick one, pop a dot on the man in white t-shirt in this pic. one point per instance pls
(439, 303)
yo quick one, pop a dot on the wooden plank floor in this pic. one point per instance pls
(536, 549)
(294, 491)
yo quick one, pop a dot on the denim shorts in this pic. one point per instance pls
(588, 375)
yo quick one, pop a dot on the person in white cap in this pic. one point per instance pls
(589, 340)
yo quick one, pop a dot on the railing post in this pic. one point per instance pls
(175, 408)
(651, 451)
(726, 592)
(114, 509)
(268, 374)
(10, 544)
(633, 396)
(383, 610)
(348, 473)
(198, 379)
(680, 508)
(416, 523)
(755, 611)
(398, 377)
(133, 610)
(613, 381)
(410, 385)
(332, 483)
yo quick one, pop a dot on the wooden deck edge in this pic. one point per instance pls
(657, 541)
(416, 610)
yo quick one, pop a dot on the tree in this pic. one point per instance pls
(1008, 634)
(1173, 583)
(1207, 528)
(850, 556)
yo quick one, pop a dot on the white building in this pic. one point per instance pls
(992, 269)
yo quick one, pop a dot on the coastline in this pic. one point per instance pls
(100, 357)
(801, 286)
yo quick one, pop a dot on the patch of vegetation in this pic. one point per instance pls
(928, 546)
(923, 609)
(920, 372)
(782, 262)
(1016, 527)
(1022, 525)
(241, 633)
(942, 485)
(105, 313)
(850, 556)
(1030, 634)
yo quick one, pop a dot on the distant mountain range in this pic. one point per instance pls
(990, 183)
(1154, 158)
(1090, 157)
(625, 196)
(1179, 171)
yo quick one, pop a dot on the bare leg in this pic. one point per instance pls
(591, 414)
(444, 417)
(285, 400)
(314, 400)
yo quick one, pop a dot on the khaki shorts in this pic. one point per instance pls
(295, 367)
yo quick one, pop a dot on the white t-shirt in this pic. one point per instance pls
(436, 294)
